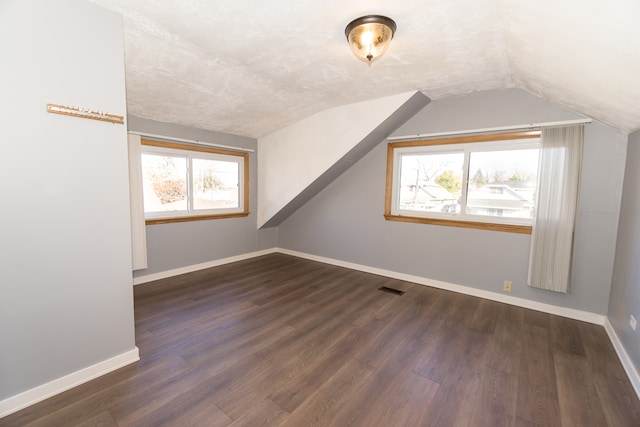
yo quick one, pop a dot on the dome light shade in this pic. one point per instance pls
(369, 36)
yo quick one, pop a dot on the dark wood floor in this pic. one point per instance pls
(282, 341)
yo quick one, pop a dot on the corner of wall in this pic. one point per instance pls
(296, 162)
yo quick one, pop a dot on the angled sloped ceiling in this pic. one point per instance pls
(251, 68)
(582, 55)
(298, 161)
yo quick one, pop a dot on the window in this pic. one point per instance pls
(486, 181)
(186, 183)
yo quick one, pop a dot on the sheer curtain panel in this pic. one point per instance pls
(559, 167)
(138, 230)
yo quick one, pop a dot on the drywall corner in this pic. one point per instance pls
(296, 162)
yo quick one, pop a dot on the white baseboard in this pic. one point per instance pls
(191, 268)
(571, 313)
(57, 386)
(627, 364)
(585, 316)
(37, 394)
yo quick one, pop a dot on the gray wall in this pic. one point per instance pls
(183, 244)
(345, 221)
(625, 287)
(65, 273)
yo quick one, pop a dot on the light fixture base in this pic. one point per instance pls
(369, 36)
(371, 19)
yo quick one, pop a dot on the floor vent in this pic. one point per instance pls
(391, 290)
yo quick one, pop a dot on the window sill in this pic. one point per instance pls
(508, 228)
(194, 218)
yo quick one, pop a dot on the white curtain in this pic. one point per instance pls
(559, 167)
(138, 230)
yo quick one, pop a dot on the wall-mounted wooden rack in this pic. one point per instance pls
(85, 113)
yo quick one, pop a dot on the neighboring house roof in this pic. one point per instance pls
(499, 196)
(427, 194)
(497, 192)
(437, 192)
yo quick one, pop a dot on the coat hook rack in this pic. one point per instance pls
(85, 113)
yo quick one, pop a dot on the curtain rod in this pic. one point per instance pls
(530, 126)
(192, 141)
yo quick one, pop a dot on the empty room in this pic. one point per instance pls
(409, 213)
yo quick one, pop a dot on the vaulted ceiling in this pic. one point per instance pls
(250, 67)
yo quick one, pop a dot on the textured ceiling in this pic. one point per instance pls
(250, 67)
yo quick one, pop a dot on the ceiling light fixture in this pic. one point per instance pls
(369, 36)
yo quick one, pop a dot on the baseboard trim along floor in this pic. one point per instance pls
(627, 364)
(74, 379)
(191, 268)
(44, 391)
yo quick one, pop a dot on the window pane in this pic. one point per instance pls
(431, 182)
(164, 183)
(215, 184)
(502, 183)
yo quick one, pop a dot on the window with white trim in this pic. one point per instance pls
(185, 183)
(485, 181)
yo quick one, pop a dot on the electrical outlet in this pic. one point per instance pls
(632, 322)
(506, 287)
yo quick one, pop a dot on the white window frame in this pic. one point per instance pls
(465, 145)
(196, 152)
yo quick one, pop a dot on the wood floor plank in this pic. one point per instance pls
(566, 336)
(283, 341)
(394, 395)
(103, 419)
(380, 347)
(448, 342)
(507, 346)
(495, 403)
(601, 354)
(577, 393)
(309, 333)
(263, 413)
(313, 374)
(334, 395)
(159, 403)
(390, 399)
(537, 318)
(619, 404)
(124, 386)
(466, 371)
(236, 343)
(191, 410)
(537, 395)
(246, 387)
(173, 409)
(485, 317)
